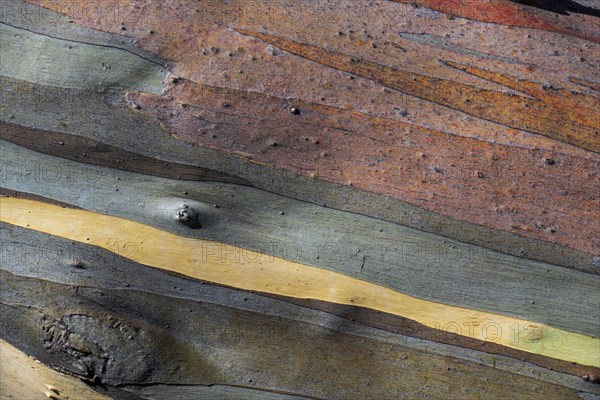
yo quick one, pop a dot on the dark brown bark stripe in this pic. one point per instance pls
(93, 152)
(4, 192)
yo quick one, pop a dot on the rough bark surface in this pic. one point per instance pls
(445, 151)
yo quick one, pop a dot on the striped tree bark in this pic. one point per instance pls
(299, 200)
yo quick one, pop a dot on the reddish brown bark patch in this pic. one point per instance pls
(331, 44)
(555, 113)
(536, 185)
(539, 194)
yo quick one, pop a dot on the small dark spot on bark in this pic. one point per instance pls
(401, 111)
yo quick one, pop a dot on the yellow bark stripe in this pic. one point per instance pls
(23, 377)
(244, 269)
